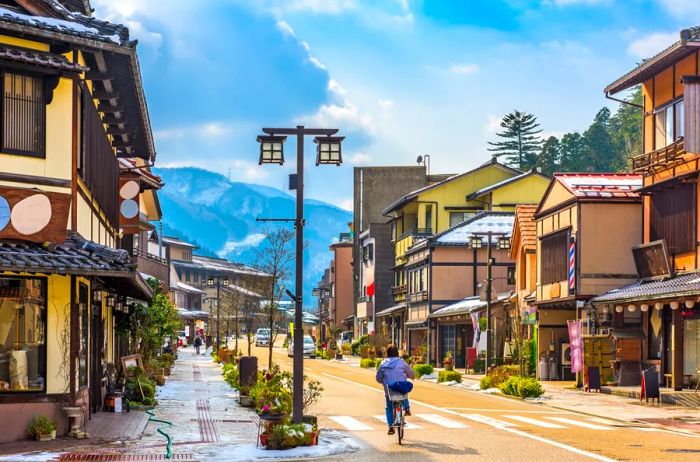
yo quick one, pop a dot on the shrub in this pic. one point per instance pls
(357, 345)
(41, 425)
(346, 349)
(139, 386)
(497, 376)
(523, 387)
(449, 376)
(231, 375)
(368, 363)
(167, 359)
(423, 369)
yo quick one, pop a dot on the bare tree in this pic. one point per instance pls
(274, 257)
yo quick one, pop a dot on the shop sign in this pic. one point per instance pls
(576, 341)
(32, 215)
(529, 316)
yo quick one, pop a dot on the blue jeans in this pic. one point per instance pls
(390, 410)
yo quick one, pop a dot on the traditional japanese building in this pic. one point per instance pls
(586, 224)
(663, 302)
(72, 105)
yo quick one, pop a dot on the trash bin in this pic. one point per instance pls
(544, 368)
(247, 371)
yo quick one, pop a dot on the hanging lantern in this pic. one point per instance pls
(644, 307)
(659, 306)
(619, 308)
(632, 307)
(689, 303)
(674, 305)
(606, 310)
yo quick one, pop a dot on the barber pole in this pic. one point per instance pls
(572, 265)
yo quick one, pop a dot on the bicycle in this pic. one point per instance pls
(399, 412)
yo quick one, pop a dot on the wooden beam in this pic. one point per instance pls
(120, 143)
(110, 119)
(112, 130)
(103, 94)
(107, 108)
(96, 75)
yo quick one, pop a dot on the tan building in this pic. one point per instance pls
(341, 304)
(523, 251)
(600, 216)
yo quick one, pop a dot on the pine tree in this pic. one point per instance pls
(601, 155)
(549, 159)
(626, 130)
(521, 143)
(573, 153)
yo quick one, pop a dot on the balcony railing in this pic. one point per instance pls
(416, 232)
(153, 265)
(398, 289)
(419, 296)
(661, 158)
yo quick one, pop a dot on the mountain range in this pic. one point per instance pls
(219, 215)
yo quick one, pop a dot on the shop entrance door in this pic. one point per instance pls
(96, 347)
(447, 341)
(461, 346)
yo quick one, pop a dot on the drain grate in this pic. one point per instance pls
(97, 457)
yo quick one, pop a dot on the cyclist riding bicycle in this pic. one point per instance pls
(394, 373)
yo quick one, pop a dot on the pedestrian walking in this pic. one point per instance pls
(197, 344)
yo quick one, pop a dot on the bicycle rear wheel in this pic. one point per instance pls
(399, 422)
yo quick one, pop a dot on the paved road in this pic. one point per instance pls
(456, 424)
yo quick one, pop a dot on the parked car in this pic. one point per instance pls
(309, 347)
(181, 339)
(345, 337)
(262, 337)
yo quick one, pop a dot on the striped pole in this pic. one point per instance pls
(572, 265)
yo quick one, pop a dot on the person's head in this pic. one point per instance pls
(392, 351)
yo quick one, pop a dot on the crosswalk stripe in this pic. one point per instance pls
(528, 420)
(407, 426)
(442, 421)
(579, 423)
(350, 423)
(600, 420)
(488, 420)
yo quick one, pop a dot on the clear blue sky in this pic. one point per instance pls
(399, 77)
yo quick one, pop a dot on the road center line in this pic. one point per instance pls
(563, 446)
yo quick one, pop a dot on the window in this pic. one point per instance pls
(672, 217)
(554, 257)
(22, 335)
(668, 122)
(458, 217)
(510, 278)
(23, 115)
(368, 253)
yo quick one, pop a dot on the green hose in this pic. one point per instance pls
(169, 446)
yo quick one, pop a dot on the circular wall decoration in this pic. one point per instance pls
(129, 208)
(129, 190)
(31, 215)
(4, 213)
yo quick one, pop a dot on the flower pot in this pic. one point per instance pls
(76, 414)
(245, 401)
(263, 439)
(44, 437)
(272, 416)
(310, 419)
(314, 437)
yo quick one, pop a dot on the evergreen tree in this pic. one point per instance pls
(626, 130)
(549, 159)
(572, 153)
(601, 155)
(521, 143)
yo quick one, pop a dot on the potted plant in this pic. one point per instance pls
(42, 429)
(447, 361)
(244, 398)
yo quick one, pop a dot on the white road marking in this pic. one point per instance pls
(600, 420)
(442, 421)
(488, 420)
(579, 423)
(539, 423)
(407, 426)
(350, 423)
(565, 447)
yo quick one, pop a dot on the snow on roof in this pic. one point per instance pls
(467, 305)
(188, 288)
(601, 185)
(483, 222)
(244, 291)
(57, 25)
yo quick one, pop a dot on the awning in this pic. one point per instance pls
(627, 334)
(682, 285)
(391, 310)
(188, 288)
(191, 314)
(131, 285)
(465, 306)
(417, 324)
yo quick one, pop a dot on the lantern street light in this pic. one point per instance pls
(476, 241)
(328, 152)
(218, 280)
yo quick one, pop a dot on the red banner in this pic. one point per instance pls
(576, 341)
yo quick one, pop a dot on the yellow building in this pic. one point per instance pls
(440, 206)
(72, 104)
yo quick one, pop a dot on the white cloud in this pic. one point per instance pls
(342, 112)
(122, 12)
(492, 125)
(360, 158)
(464, 68)
(313, 6)
(236, 247)
(564, 3)
(345, 204)
(649, 45)
(285, 28)
(336, 89)
(688, 10)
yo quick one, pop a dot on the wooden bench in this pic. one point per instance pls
(686, 377)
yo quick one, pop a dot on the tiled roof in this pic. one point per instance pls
(525, 221)
(151, 180)
(176, 241)
(482, 222)
(75, 256)
(218, 265)
(37, 58)
(601, 185)
(467, 305)
(686, 284)
(505, 182)
(244, 291)
(391, 309)
(412, 195)
(188, 288)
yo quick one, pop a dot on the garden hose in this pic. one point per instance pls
(169, 446)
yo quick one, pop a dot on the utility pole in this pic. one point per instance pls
(489, 288)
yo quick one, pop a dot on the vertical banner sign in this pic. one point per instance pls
(129, 189)
(475, 326)
(572, 265)
(576, 342)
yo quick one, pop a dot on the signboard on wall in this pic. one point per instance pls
(33, 215)
(652, 260)
(129, 207)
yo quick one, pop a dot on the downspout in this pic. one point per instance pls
(622, 101)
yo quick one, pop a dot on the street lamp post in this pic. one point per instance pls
(503, 244)
(210, 282)
(328, 152)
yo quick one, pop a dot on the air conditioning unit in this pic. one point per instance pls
(566, 354)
